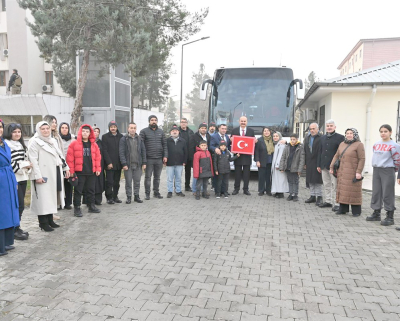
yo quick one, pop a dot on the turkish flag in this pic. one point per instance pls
(243, 145)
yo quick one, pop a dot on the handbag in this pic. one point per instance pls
(336, 165)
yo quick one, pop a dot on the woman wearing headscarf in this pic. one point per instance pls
(9, 215)
(263, 154)
(48, 163)
(52, 121)
(351, 155)
(66, 138)
(279, 179)
(21, 167)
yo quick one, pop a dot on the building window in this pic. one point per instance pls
(3, 5)
(49, 78)
(297, 128)
(2, 78)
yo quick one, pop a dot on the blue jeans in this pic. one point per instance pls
(194, 188)
(174, 172)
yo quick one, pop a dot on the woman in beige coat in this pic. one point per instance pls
(48, 164)
(349, 178)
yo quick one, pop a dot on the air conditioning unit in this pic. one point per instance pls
(47, 88)
(5, 52)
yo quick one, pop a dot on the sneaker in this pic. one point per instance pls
(290, 197)
(188, 189)
(218, 195)
(226, 195)
(110, 201)
(147, 197)
(169, 195)
(117, 200)
(198, 197)
(295, 198)
(180, 194)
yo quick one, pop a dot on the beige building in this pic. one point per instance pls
(363, 100)
(369, 53)
(18, 50)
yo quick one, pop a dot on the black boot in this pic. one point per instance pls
(311, 199)
(204, 195)
(93, 209)
(197, 195)
(19, 235)
(117, 200)
(376, 216)
(128, 200)
(389, 219)
(51, 221)
(137, 199)
(319, 201)
(44, 224)
(77, 211)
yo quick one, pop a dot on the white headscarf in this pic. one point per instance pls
(39, 133)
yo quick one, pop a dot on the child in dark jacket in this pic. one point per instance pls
(202, 168)
(222, 169)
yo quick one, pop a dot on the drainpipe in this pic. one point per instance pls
(368, 131)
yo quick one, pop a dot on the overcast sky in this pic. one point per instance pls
(303, 35)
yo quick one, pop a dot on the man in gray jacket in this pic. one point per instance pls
(156, 154)
(132, 155)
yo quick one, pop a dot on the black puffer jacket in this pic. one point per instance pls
(186, 135)
(222, 162)
(155, 142)
(111, 150)
(194, 143)
(177, 152)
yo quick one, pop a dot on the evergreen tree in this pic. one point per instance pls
(170, 115)
(199, 107)
(113, 32)
(311, 79)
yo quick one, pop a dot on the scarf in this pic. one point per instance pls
(269, 144)
(330, 134)
(280, 138)
(39, 135)
(65, 137)
(356, 138)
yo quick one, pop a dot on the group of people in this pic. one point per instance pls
(66, 171)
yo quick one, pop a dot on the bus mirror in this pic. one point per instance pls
(204, 88)
(300, 93)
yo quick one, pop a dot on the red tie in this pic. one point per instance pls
(242, 132)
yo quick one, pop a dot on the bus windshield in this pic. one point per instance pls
(257, 93)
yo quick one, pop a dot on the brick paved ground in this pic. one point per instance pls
(247, 258)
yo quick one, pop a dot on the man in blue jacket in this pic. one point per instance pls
(132, 154)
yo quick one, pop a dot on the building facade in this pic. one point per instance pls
(18, 50)
(369, 53)
(364, 100)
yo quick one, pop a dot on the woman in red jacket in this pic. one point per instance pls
(84, 160)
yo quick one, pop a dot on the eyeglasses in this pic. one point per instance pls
(14, 126)
(183, 121)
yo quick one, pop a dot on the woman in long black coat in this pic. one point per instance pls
(99, 189)
(263, 155)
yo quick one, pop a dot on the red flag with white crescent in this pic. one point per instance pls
(243, 145)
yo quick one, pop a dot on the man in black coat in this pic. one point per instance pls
(329, 145)
(186, 133)
(195, 140)
(243, 163)
(309, 157)
(112, 163)
(156, 154)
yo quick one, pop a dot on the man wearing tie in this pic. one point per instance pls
(215, 140)
(243, 163)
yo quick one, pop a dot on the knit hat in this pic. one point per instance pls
(202, 142)
(152, 116)
(222, 142)
(203, 125)
(212, 124)
(112, 123)
(174, 127)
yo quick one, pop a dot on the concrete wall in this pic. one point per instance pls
(60, 107)
(380, 52)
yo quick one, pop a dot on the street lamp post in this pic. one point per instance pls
(204, 38)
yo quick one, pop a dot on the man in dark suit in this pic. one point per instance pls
(215, 140)
(243, 163)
